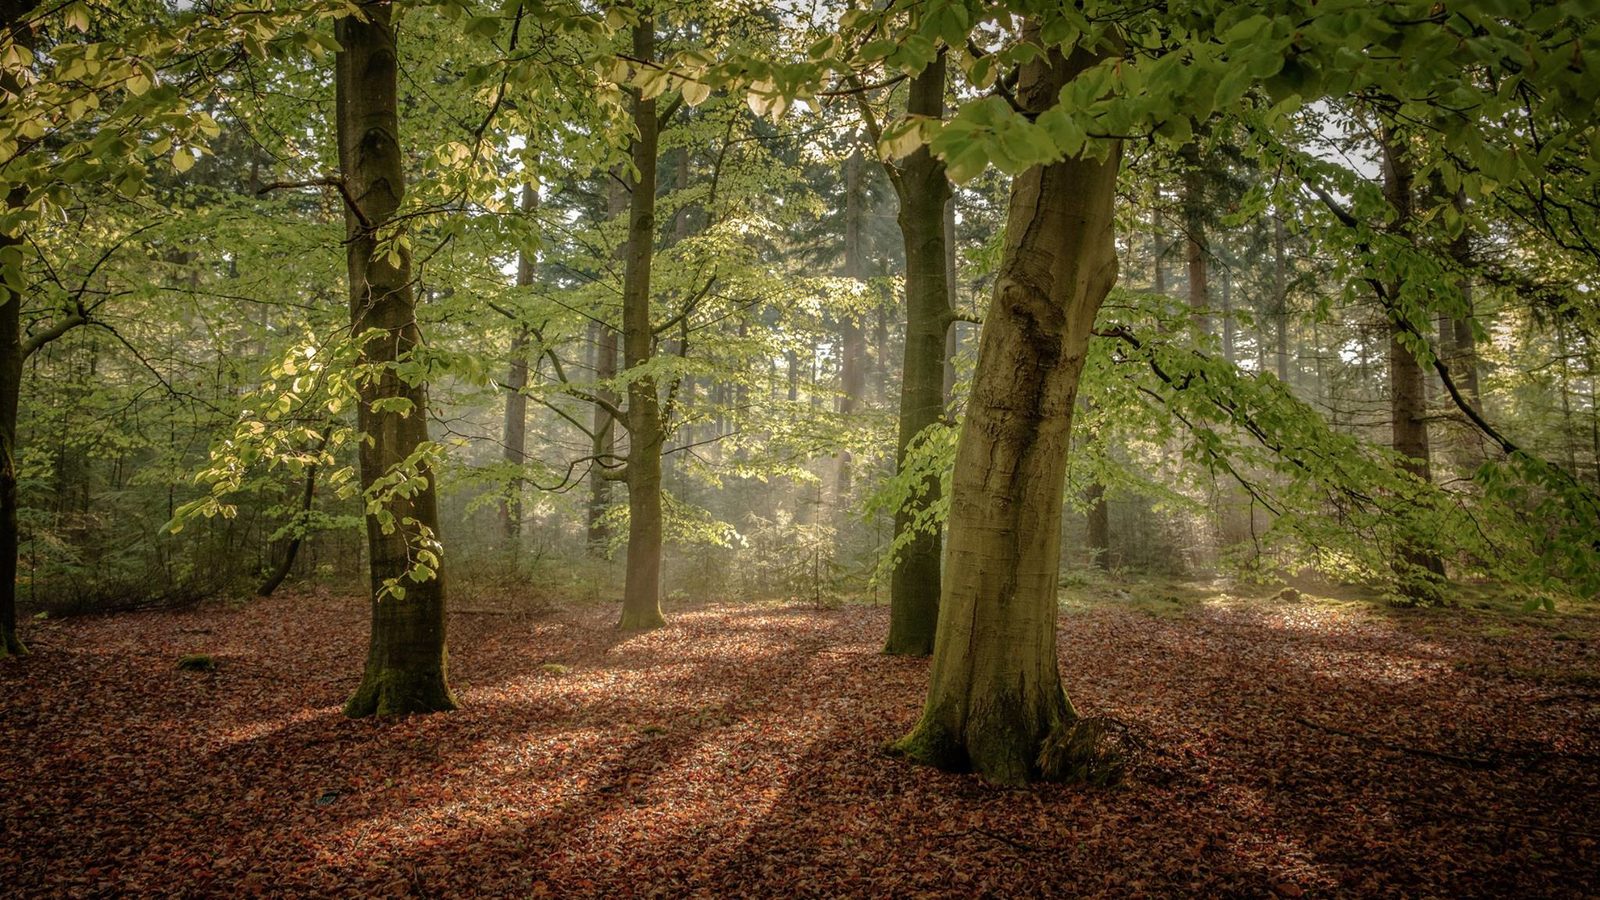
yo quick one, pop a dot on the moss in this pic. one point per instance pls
(553, 668)
(653, 730)
(931, 744)
(641, 620)
(197, 662)
(399, 692)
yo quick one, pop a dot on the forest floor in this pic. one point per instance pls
(1297, 747)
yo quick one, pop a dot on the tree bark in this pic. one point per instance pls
(12, 352)
(1407, 389)
(914, 585)
(641, 599)
(1099, 526)
(995, 701)
(405, 669)
(514, 434)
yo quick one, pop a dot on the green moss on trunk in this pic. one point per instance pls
(399, 692)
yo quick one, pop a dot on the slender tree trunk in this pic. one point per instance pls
(852, 336)
(1407, 387)
(405, 670)
(1280, 298)
(1099, 526)
(914, 584)
(12, 13)
(995, 701)
(1230, 350)
(1460, 341)
(641, 599)
(1194, 245)
(515, 432)
(603, 338)
(1158, 261)
(952, 334)
(308, 493)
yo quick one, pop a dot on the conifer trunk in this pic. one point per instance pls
(641, 599)
(995, 700)
(405, 669)
(1280, 298)
(1194, 245)
(923, 189)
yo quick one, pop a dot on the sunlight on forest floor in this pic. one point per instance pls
(1319, 744)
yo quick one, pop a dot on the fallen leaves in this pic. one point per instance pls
(1295, 749)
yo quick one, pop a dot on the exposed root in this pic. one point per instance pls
(1097, 750)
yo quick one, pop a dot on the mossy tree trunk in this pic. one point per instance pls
(405, 669)
(922, 187)
(995, 699)
(641, 599)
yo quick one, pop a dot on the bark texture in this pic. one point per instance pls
(641, 599)
(914, 586)
(995, 702)
(12, 353)
(405, 670)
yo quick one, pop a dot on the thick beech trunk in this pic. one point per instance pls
(405, 670)
(641, 599)
(923, 189)
(514, 435)
(1407, 387)
(995, 701)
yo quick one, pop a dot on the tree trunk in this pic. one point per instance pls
(641, 599)
(1460, 343)
(405, 670)
(995, 701)
(12, 13)
(1280, 298)
(514, 436)
(1194, 245)
(1407, 396)
(914, 585)
(10, 396)
(852, 336)
(604, 340)
(1099, 526)
(307, 495)
(952, 334)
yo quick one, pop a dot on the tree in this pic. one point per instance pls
(995, 701)
(405, 668)
(923, 189)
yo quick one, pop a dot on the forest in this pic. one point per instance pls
(902, 448)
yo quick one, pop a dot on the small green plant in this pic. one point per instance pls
(554, 668)
(197, 662)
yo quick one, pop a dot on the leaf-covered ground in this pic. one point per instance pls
(1297, 748)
